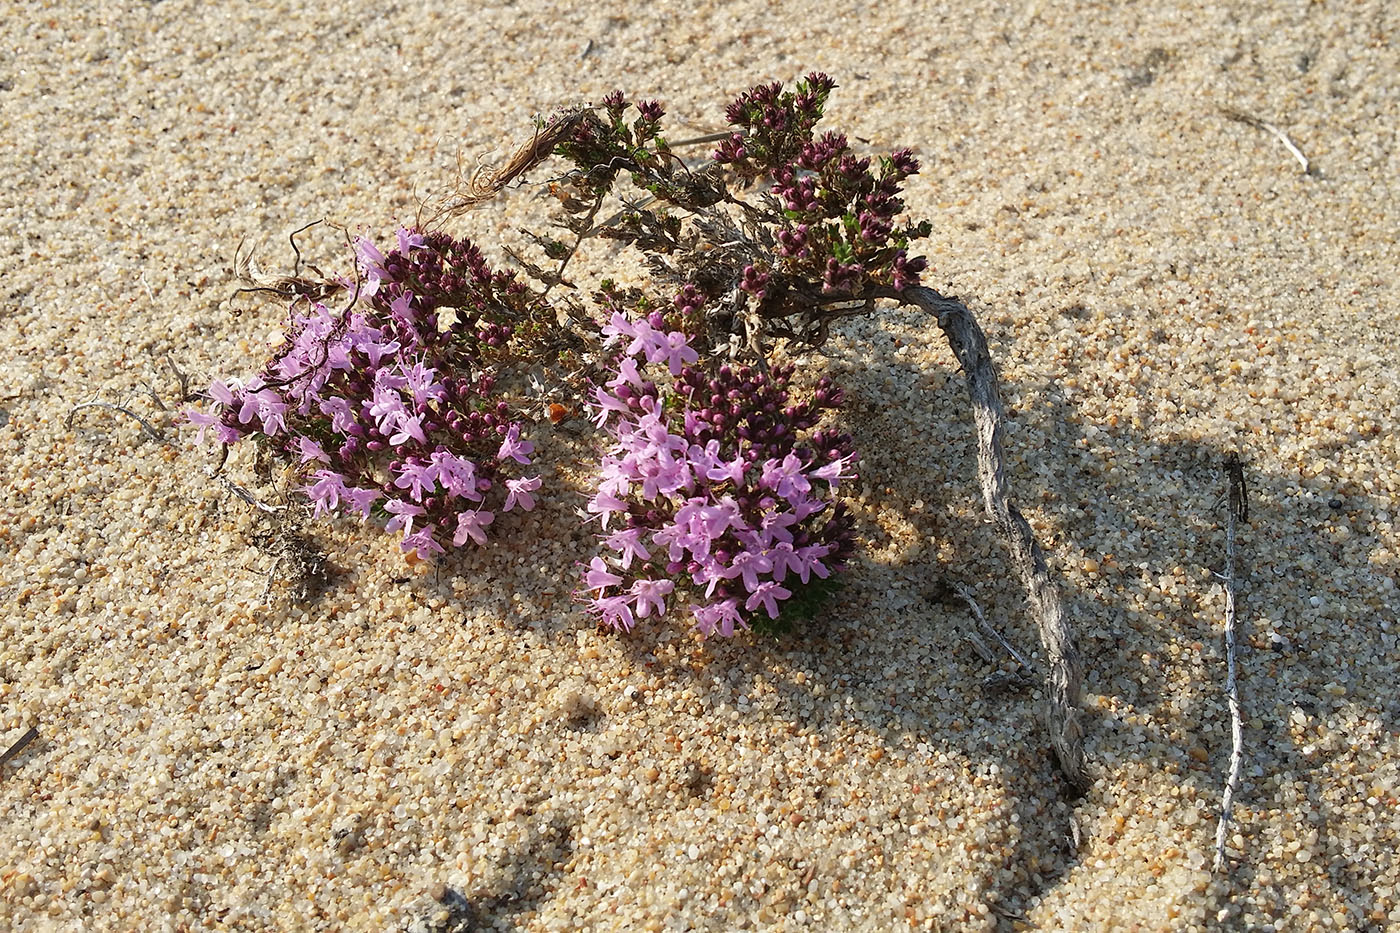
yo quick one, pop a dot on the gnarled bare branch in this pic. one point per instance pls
(1064, 678)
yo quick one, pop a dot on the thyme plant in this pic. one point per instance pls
(717, 493)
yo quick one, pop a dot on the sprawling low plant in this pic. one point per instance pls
(717, 490)
(717, 493)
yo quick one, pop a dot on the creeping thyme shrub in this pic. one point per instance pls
(387, 406)
(716, 495)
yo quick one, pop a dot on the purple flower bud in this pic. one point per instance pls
(731, 150)
(755, 282)
(906, 271)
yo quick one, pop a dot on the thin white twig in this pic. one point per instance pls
(248, 497)
(1282, 137)
(1236, 508)
(145, 425)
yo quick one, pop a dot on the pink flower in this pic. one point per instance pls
(651, 594)
(661, 474)
(809, 561)
(775, 527)
(627, 374)
(371, 262)
(404, 513)
(419, 382)
(644, 341)
(617, 328)
(513, 448)
(629, 545)
(675, 539)
(694, 519)
(386, 405)
(204, 420)
(604, 505)
(599, 576)
(409, 239)
(359, 500)
(457, 475)
(227, 435)
(675, 349)
(472, 524)
(834, 472)
(615, 612)
(423, 542)
(802, 508)
(221, 393)
(416, 478)
(342, 416)
(408, 427)
(785, 477)
(715, 469)
(326, 492)
(310, 450)
(784, 557)
(719, 617)
(268, 406)
(768, 594)
(368, 343)
(707, 522)
(402, 308)
(748, 565)
(604, 403)
(520, 490)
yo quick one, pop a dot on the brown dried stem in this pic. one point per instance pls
(1063, 680)
(20, 744)
(485, 183)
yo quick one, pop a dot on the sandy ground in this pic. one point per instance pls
(1161, 284)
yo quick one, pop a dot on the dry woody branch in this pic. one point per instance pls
(1063, 683)
(1237, 510)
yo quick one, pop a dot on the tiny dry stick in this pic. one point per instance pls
(19, 745)
(966, 595)
(1282, 137)
(1064, 678)
(153, 432)
(248, 497)
(1237, 508)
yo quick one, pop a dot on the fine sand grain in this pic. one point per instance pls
(415, 746)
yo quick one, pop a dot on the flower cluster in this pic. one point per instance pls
(827, 230)
(774, 125)
(717, 489)
(837, 225)
(386, 407)
(606, 143)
